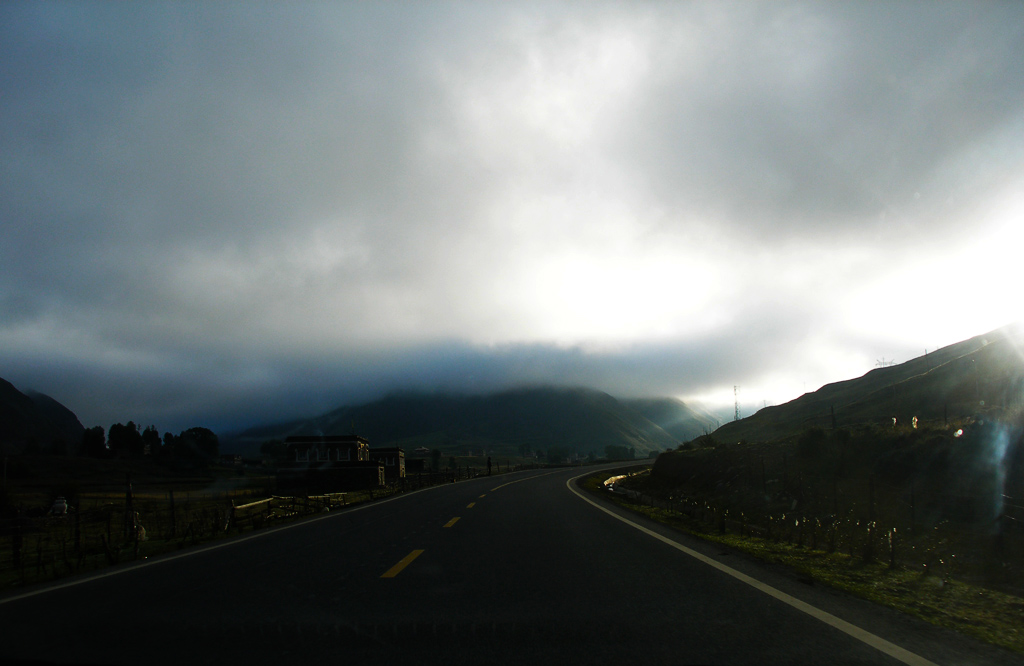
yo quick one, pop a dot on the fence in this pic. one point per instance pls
(101, 529)
(104, 529)
(950, 531)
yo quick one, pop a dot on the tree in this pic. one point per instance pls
(151, 439)
(125, 440)
(94, 442)
(199, 440)
(435, 459)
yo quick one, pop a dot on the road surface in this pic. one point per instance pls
(516, 568)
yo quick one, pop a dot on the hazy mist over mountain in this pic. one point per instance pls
(578, 421)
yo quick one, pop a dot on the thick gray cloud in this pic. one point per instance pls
(233, 212)
(814, 118)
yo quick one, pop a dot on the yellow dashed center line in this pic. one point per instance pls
(452, 521)
(483, 496)
(471, 505)
(403, 563)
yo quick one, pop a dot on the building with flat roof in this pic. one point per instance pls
(320, 464)
(321, 448)
(393, 459)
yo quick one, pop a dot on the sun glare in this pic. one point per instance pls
(612, 297)
(949, 295)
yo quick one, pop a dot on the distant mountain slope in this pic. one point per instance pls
(580, 420)
(984, 374)
(684, 422)
(35, 419)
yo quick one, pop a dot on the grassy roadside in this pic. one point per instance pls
(55, 548)
(991, 616)
(95, 537)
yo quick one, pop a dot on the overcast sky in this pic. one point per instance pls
(225, 214)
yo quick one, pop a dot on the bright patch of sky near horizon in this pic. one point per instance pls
(222, 214)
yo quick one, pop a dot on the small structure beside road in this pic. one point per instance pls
(321, 464)
(393, 459)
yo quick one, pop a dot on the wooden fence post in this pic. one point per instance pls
(78, 527)
(869, 545)
(892, 548)
(173, 526)
(16, 542)
(913, 510)
(129, 508)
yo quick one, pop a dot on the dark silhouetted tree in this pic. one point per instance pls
(199, 440)
(151, 438)
(125, 440)
(94, 442)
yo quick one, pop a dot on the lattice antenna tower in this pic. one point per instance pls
(736, 398)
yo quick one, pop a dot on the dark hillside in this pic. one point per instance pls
(944, 494)
(984, 374)
(36, 422)
(580, 421)
(675, 417)
(60, 417)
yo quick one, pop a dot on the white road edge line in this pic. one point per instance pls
(214, 546)
(853, 630)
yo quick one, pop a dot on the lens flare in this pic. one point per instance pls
(998, 446)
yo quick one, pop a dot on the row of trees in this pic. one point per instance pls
(129, 441)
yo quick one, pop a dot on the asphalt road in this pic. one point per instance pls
(515, 568)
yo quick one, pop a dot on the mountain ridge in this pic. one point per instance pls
(582, 420)
(981, 375)
(681, 420)
(32, 419)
